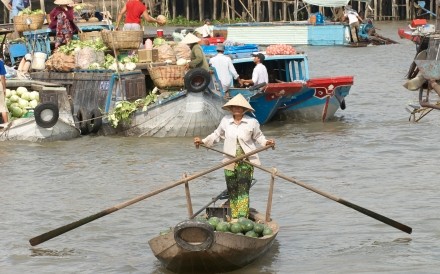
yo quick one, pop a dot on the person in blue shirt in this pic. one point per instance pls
(16, 7)
(3, 107)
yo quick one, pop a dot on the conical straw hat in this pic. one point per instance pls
(190, 39)
(240, 101)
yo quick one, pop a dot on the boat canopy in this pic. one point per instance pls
(331, 3)
(327, 3)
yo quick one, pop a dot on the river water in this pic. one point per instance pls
(371, 155)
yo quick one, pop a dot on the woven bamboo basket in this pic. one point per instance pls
(89, 36)
(167, 76)
(124, 39)
(36, 22)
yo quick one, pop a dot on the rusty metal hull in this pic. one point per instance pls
(228, 252)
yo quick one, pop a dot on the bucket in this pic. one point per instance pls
(38, 61)
(159, 33)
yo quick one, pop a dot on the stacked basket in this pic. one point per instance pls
(167, 76)
(89, 36)
(27, 22)
(124, 39)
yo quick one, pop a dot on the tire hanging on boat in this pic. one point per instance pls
(194, 235)
(83, 121)
(46, 114)
(95, 121)
(197, 80)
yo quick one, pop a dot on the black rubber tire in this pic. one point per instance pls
(46, 114)
(197, 80)
(83, 121)
(95, 120)
(205, 228)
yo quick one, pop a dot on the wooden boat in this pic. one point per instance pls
(192, 246)
(52, 119)
(291, 93)
(196, 110)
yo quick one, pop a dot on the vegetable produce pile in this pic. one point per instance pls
(75, 45)
(244, 226)
(280, 49)
(18, 101)
(28, 11)
(124, 109)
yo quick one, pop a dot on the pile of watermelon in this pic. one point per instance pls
(243, 226)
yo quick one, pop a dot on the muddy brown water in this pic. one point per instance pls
(371, 155)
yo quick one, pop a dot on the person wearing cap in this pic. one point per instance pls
(259, 74)
(240, 133)
(225, 69)
(3, 107)
(61, 21)
(198, 59)
(133, 10)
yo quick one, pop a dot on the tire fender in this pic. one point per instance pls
(83, 121)
(46, 114)
(197, 80)
(95, 121)
(194, 235)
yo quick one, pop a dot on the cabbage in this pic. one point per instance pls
(16, 112)
(20, 90)
(25, 95)
(130, 66)
(8, 93)
(14, 98)
(33, 103)
(35, 96)
(22, 103)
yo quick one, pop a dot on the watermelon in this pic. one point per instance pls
(222, 227)
(267, 231)
(213, 221)
(258, 228)
(247, 225)
(251, 233)
(236, 228)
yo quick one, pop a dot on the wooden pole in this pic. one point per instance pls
(269, 198)
(188, 198)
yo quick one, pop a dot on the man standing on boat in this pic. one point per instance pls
(259, 74)
(353, 21)
(225, 69)
(3, 107)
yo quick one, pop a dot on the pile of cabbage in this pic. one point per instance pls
(19, 101)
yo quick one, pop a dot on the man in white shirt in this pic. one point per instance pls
(353, 21)
(259, 74)
(225, 69)
(207, 30)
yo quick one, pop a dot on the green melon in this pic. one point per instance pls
(236, 228)
(267, 231)
(251, 233)
(247, 225)
(222, 227)
(213, 221)
(259, 228)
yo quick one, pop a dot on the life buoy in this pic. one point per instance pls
(95, 120)
(194, 235)
(46, 114)
(83, 120)
(197, 80)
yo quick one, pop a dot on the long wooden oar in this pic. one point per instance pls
(63, 229)
(365, 211)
